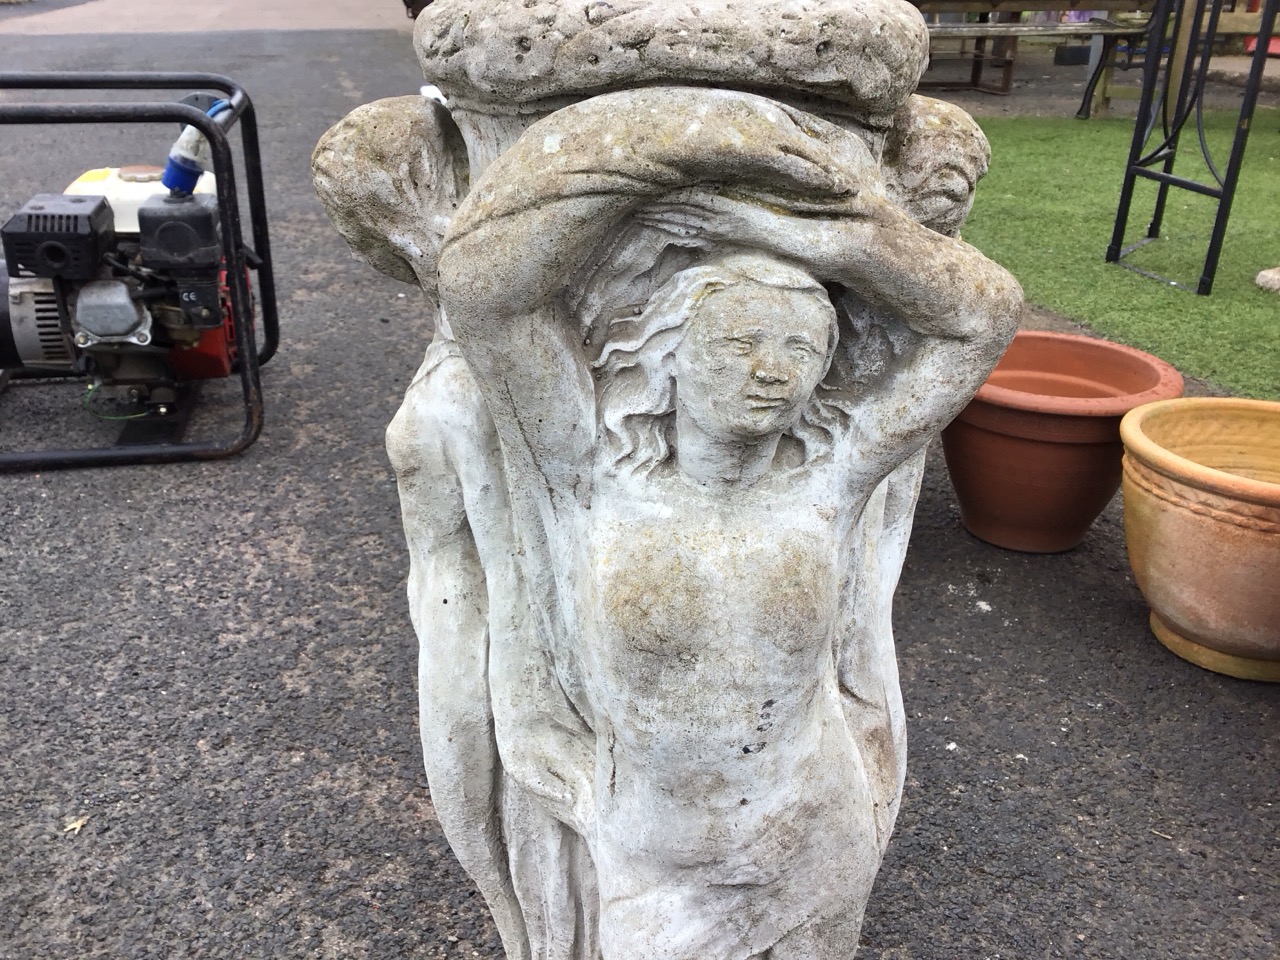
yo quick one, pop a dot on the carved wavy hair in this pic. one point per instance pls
(637, 362)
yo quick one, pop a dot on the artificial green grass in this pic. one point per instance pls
(1046, 211)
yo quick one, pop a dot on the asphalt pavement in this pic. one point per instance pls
(208, 741)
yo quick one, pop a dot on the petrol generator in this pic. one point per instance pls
(137, 279)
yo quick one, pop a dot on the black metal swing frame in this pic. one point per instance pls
(1172, 95)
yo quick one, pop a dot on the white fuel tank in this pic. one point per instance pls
(126, 188)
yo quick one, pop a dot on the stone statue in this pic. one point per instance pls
(658, 468)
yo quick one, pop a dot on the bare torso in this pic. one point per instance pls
(726, 777)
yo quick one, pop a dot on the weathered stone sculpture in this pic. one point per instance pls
(658, 469)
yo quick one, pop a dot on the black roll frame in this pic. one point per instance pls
(239, 257)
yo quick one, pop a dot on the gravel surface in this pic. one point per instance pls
(207, 673)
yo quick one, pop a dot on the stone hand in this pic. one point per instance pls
(684, 222)
(826, 236)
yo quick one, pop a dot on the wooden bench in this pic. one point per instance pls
(1000, 25)
(1004, 47)
(995, 36)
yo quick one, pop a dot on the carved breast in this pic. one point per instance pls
(706, 622)
(711, 668)
(678, 584)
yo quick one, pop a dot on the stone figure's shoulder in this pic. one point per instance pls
(444, 400)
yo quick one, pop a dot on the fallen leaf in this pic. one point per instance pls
(75, 825)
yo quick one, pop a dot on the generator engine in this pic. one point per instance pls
(135, 298)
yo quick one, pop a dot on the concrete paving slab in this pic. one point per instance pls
(1236, 70)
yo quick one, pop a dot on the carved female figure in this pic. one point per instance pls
(735, 796)
(690, 670)
(687, 680)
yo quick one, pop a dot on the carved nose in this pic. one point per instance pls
(768, 376)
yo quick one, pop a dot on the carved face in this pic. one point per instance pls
(944, 199)
(751, 359)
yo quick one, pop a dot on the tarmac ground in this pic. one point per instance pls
(208, 742)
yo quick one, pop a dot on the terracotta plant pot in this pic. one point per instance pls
(1202, 520)
(1035, 457)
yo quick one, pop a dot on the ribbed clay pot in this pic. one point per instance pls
(1202, 520)
(1035, 457)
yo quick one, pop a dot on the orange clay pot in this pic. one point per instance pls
(1202, 520)
(1035, 457)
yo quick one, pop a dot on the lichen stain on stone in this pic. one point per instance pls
(681, 596)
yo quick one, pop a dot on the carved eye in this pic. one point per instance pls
(740, 345)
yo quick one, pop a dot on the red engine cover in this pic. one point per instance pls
(213, 355)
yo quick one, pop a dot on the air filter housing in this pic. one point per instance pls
(59, 236)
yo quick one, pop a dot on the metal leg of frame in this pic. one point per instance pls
(1172, 93)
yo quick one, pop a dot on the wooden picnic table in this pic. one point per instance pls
(1031, 6)
(999, 23)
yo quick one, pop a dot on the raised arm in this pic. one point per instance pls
(961, 309)
(546, 203)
